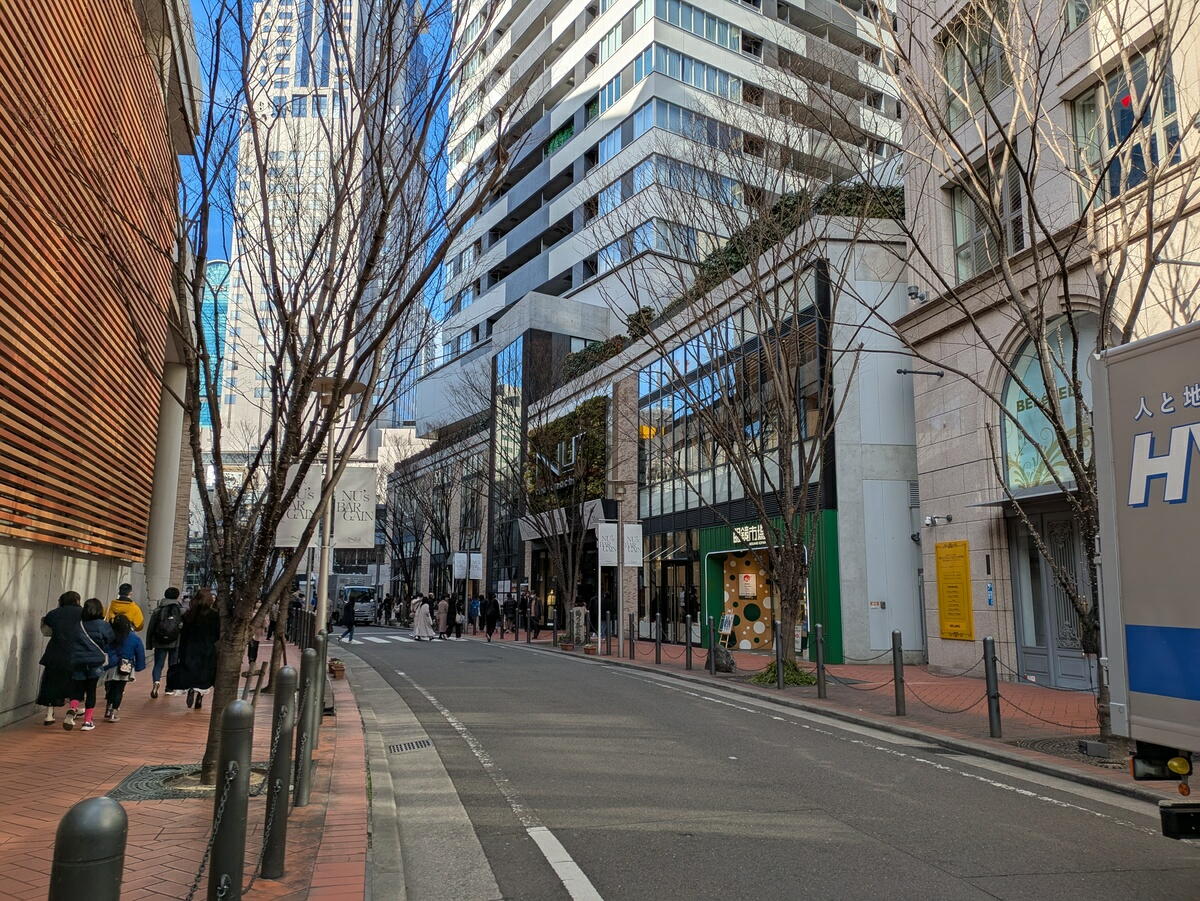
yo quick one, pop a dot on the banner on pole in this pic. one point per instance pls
(354, 509)
(476, 568)
(460, 565)
(303, 507)
(606, 543)
(631, 547)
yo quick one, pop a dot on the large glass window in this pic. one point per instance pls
(974, 66)
(976, 241)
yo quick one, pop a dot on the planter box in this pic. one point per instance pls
(337, 670)
(589, 649)
(566, 646)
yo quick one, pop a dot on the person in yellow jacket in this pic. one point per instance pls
(127, 605)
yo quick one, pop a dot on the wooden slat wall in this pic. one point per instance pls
(85, 166)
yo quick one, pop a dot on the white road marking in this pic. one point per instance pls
(574, 880)
(374, 639)
(400, 638)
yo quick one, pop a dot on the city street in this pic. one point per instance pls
(586, 780)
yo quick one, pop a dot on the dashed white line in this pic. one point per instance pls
(574, 880)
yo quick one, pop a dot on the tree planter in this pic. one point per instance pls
(337, 669)
(566, 646)
(589, 649)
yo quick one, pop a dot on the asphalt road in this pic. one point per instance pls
(656, 789)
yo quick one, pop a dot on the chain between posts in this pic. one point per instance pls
(230, 775)
(262, 852)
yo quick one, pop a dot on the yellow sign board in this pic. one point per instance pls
(955, 616)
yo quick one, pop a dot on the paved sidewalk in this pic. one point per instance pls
(47, 770)
(946, 707)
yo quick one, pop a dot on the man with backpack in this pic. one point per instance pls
(162, 635)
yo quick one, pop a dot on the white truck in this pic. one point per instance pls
(1147, 434)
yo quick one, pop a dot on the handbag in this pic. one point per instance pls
(460, 619)
(124, 667)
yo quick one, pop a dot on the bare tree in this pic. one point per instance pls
(716, 251)
(1068, 205)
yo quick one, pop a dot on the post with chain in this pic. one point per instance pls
(89, 852)
(687, 653)
(898, 671)
(529, 627)
(658, 638)
(822, 686)
(554, 628)
(308, 683)
(317, 701)
(778, 655)
(232, 798)
(283, 719)
(993, 686)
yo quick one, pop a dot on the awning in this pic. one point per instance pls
(556, 522)
(1042, 493)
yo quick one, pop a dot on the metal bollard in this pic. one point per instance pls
(89, 852)
(778, 656)
(318, 697)
(611, 628)
(658, 638)
(528, 630)
(283, 719)
(712, 646)
(304, 710)
(822, 688)
(898, 671)
(633, 636)
(229, 808)
(993, 686)
(687, 653)
(554, 629)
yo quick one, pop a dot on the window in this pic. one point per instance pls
(299, 106)
(610, 93)
(609, 146)
(609, 44)
(320, 104)
(1077, 11)
(976, 248)
(973, 63)
(698, 22)
(260, 392)
(1137, 130)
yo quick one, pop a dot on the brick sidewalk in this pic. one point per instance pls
(954, 707)
(52, 769)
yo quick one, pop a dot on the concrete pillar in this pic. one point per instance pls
(164, 498)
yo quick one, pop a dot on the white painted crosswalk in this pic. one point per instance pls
(374, 639)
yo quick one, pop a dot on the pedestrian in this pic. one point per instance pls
(491, 615)
(348, 618)
(473, 610)
(126, 656)
(89, 654)
(123, 603)
(523, 611)
(162, 635)
(422, 623)
(443, 617)
(196, 669)
(510, 614)
(535, 616)
(62, 626)
(257, 637)
(457, 618)
(388, 604)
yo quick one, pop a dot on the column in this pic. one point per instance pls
(164, 497)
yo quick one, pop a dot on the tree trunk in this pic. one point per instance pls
(279, 646)
(230, 651)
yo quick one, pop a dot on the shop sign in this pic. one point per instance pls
(747, 585)
(631, 544)
(460, 565)
(955, 616)
(750, 536)
(606, 543)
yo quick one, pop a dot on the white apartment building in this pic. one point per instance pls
(587, 93)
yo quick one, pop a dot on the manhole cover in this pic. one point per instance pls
(173, 782)
(1068, 746)
(409, 746)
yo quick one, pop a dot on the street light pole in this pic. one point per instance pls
(326, 529)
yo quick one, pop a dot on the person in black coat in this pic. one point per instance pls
(61, 626)
(196, 668)
(491, 615)
(89, 654)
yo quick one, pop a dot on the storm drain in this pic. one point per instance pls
(409, 746)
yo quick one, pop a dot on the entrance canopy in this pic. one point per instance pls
(559, 520)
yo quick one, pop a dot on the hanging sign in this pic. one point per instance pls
(460, 565)
(354, 508)
(631, 544)
(606, 543)
(475, 570)
(955, 616)
(303, 507)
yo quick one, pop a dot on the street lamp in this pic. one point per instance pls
(327, 389)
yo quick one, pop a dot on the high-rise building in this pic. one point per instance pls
(212, 323)
(593, 96)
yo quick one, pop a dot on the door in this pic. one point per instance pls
(1051, 651)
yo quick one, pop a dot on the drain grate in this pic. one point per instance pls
(409, 746)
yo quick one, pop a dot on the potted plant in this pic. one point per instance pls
(590, 648)
(565, 643)
(337, 669)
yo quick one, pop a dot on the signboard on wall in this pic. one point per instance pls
(747, 585)
(956, 619)
(751, 536)
(606, 543)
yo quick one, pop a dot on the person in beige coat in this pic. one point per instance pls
(443, 617)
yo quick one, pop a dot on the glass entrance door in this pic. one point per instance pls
(1047, 622)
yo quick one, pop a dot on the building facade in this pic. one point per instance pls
(93, 440)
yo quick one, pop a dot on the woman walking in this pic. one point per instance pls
(88, 656)
(126, 656)
(61, 626)
(491, 615)
(422, 623)
(443, 617)
(196, 670)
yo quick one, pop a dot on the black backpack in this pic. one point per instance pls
(169, 624)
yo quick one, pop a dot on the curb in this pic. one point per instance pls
(956, 744)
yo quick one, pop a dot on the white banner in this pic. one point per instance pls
(476, 567)
(631, 544)
(354, 510)
(606, 543)
(302, 509)
(459, 565)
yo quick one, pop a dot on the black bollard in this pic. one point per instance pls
(633, 636)
(554, 629)
(283, 720)
(822, 688)
(304, 711)
(898, 671)
(528, 629)
(778, 655)
(229, 806)
(712, 646)
(687, 654)
(89, 852)
(318, 696)
(993, 686)
(658, 638)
